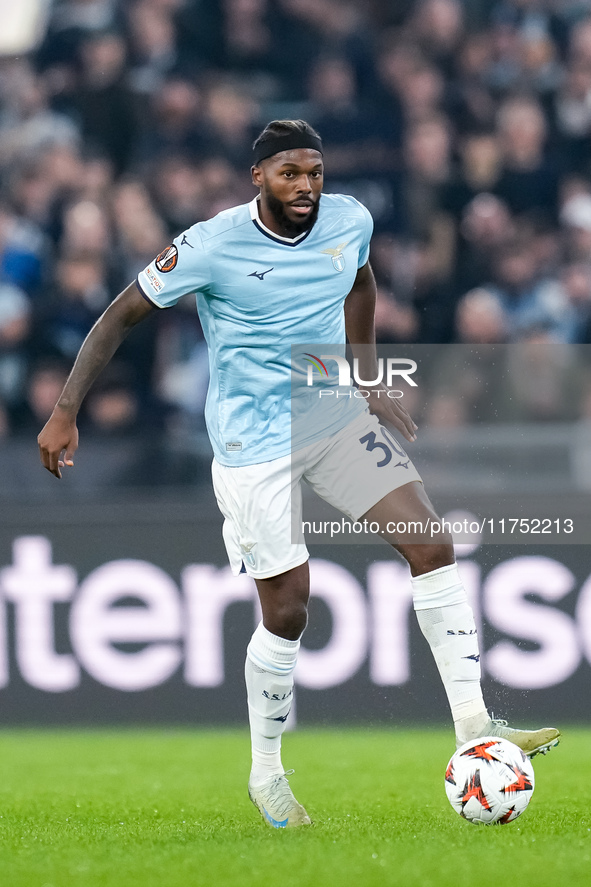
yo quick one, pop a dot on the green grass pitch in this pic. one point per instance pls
(140, 808)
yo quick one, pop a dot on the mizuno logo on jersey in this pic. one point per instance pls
(338, 259)
(260, 275)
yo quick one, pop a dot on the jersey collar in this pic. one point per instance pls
(287, 241)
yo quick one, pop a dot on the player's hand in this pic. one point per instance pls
(60, 435)
(391, 410)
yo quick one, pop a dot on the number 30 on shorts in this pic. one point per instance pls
(388, 447)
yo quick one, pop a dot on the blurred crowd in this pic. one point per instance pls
(465, 128)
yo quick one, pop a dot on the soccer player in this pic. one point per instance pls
(291, 268)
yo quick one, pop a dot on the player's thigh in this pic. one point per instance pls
(261, 505)
(407, 515)
(363, 464)
(408, 521)
(407, 502)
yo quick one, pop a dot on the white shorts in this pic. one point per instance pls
(351, 470)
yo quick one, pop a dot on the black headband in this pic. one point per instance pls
(276, 143)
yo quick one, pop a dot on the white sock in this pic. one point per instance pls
(270, 661)
(447, 622)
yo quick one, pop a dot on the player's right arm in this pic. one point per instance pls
(60, 434)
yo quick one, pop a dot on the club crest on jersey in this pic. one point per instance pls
(248, 555)
(167, 259)
(338, 259)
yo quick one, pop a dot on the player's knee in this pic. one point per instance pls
(288, 620)
(427, 557)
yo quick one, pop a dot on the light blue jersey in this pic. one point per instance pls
(258, 295)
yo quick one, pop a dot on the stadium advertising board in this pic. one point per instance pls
(133, 616)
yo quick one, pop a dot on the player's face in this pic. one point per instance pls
(291, 184)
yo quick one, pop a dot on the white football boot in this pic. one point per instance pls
(531, 742)
(276, 803)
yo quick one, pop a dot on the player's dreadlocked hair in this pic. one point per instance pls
(283, 135)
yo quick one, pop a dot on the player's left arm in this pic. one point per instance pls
(360, 306)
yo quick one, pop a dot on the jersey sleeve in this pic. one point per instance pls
(364, 248)
(181, 268)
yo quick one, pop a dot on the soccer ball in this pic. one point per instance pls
(489, 780)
